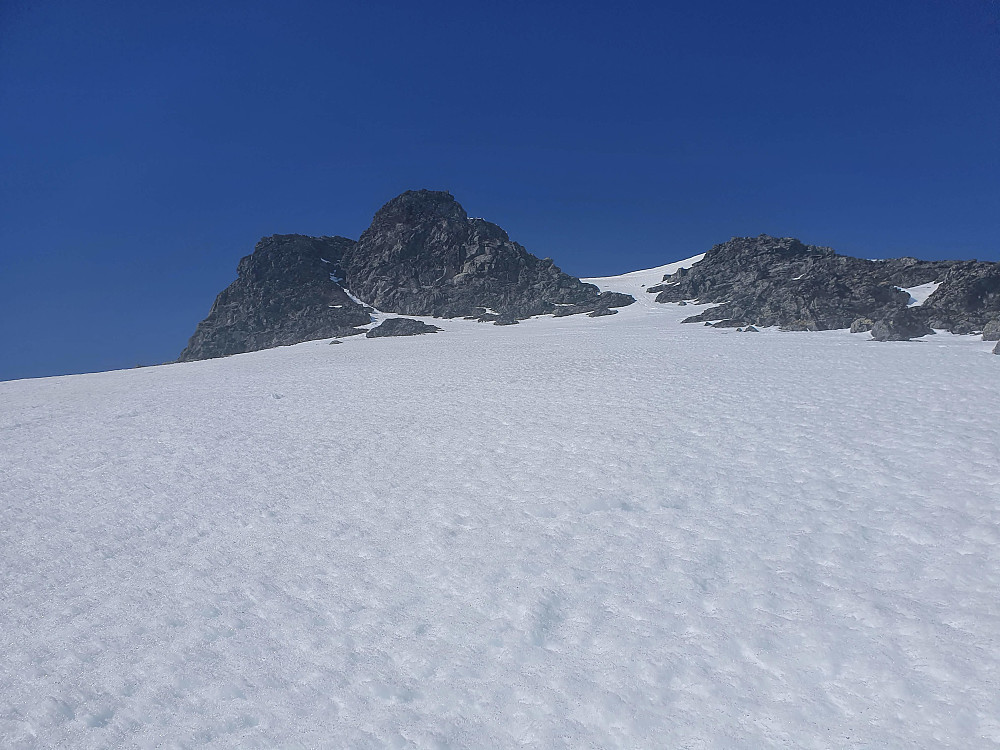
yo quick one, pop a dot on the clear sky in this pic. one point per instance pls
(145, 147)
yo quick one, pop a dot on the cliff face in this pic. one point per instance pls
(284, 294)
(767, 281)
(422, 255)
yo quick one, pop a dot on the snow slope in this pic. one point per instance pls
(568, 533)
(919, 294)
(636, 282)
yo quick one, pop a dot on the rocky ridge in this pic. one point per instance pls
(770, 281)
(422, 255)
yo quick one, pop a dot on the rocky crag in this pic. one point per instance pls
(422, 255)
(283, 294)
(770, 281)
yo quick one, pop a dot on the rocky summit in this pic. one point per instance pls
(422, 255)
(771, 281)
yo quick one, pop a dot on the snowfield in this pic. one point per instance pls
(919, 294)
(617, 532)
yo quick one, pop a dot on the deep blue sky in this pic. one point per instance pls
(147, 146)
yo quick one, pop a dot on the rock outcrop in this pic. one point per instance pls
(862, 325)
(401, 327)
(283, 294)
(423, 255)
(770, 281)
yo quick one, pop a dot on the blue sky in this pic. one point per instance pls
(145, 147)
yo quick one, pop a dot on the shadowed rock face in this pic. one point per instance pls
(423, 255)
(770, 281)
(283, 295)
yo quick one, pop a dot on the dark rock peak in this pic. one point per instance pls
(422, 255)
(416, 206)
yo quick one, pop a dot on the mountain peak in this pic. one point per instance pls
(420, 256)
(420, 205)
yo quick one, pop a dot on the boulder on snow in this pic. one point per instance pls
(991, 331)
(901, 325)
(605, 300)
(602, 311)
(862, 325)
(401, 327)
(506, 319)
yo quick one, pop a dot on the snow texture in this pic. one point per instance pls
(619, 532)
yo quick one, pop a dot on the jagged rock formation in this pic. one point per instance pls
(422, 255)
(401, 327)
(283, 295)
(769, 281)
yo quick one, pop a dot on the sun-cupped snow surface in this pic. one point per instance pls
(919, 294)
(619, 532)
